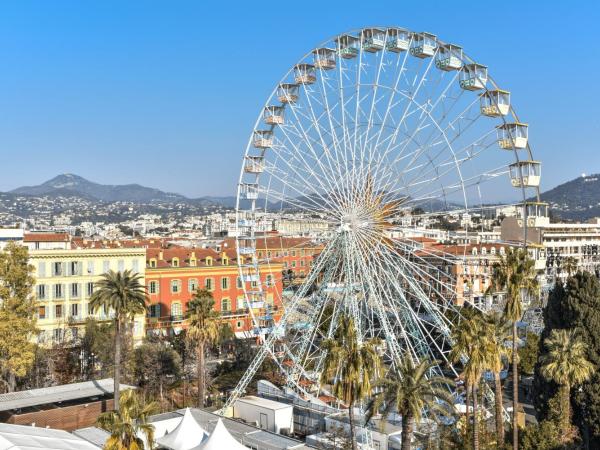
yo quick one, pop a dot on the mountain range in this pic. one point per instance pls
(70, 185)
(578, 199)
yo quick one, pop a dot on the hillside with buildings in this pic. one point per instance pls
(578, 199)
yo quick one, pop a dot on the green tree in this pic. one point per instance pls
(125, 295)
(17, 314)
(575, 306)
(128, 422)
(515, 273)
(203, 330)
(156, 366)
(528, 354)
(497, 331)
(470, 347)
(566, 364)
(570, 265)
(352, 366)
(409, 392)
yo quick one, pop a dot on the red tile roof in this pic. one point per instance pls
(46, 237)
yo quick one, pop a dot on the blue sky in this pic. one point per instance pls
(165, 93)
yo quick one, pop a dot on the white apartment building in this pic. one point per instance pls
(65, 275)
(10, 235)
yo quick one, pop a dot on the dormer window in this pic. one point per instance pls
(484, 251)
(193, 262)
(225, 261)
(175, 262)
(209, 261)
(493, 250)
(153, 263)
(474, 251)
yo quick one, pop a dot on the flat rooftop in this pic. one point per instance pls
(263, 402)
(58, 394)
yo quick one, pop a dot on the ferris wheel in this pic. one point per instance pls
(372, 132)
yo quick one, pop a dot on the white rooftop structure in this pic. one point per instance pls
(187, 435)
(220, 439)
(22, 437)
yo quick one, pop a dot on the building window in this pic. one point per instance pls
(225, 283)
(155, 310)
(209, 261)
(302, 263)
(74, 310)
(239, 324)
(40, 291)
(225, 304)
(105, 266)
(41, 312)
(90, 288)
(176, 309)
(58, 311)
(193, 262)
(58, 291)
(269, 280)
(175, 286)
(293, 263)
(41, 272)
(74, 268)
(90, 267)
(153, 287)
(57, 334)
(225, 261)
(153, 263)
(209, 284)
(192, 285)
(135, 266)
(294, 253)
(121, 265)
(175, 262)
(239, 283)
(57, 269)
(74, 290)
(241, 303)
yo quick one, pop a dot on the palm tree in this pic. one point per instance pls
(497, 332)
(515, 272)
(570, 265)
(127, 423)
(203, 330)
(412, 390)
(566, 364)
(123, 293)
(470, 348)
(353, 366)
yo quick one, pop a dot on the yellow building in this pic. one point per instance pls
(65, 280)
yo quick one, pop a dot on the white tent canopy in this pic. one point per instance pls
(187, 435)
(220, 439)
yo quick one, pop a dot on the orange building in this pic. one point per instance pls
(173, 275)
(294, 254)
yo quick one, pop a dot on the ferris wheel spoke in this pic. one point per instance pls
(388, 269)
(311, 201)
(329, 180)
